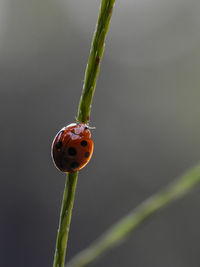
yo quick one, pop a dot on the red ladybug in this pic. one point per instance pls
(72, 147)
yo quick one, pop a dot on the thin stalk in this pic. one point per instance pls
(65, 219)
(91, 74)
(135, 218)
(95, 57)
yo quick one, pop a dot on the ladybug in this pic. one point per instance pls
(72, 147)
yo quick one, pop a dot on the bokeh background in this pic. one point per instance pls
(145, 110)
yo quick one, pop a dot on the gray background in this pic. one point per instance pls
(146, 112)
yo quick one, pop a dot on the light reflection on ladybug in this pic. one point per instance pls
(72, 147)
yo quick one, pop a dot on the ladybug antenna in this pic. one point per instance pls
(91, 128)
(76, 119)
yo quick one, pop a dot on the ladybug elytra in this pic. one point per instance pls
(72, 147)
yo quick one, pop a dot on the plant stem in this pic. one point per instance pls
(65, 219)
(95, 57)
(90, 79)
(135, 218)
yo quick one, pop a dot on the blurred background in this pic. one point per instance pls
(145, 110)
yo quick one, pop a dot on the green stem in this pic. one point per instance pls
(134, 219)
(90, 79)
(95, 57)
(65, 219)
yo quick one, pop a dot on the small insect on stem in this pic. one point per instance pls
(72, 147)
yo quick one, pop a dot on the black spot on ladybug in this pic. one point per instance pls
(59, 144)
(74, 165)
(87, 154)
(72, 151)
(84, 143)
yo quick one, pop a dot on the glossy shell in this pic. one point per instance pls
(72, 147)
